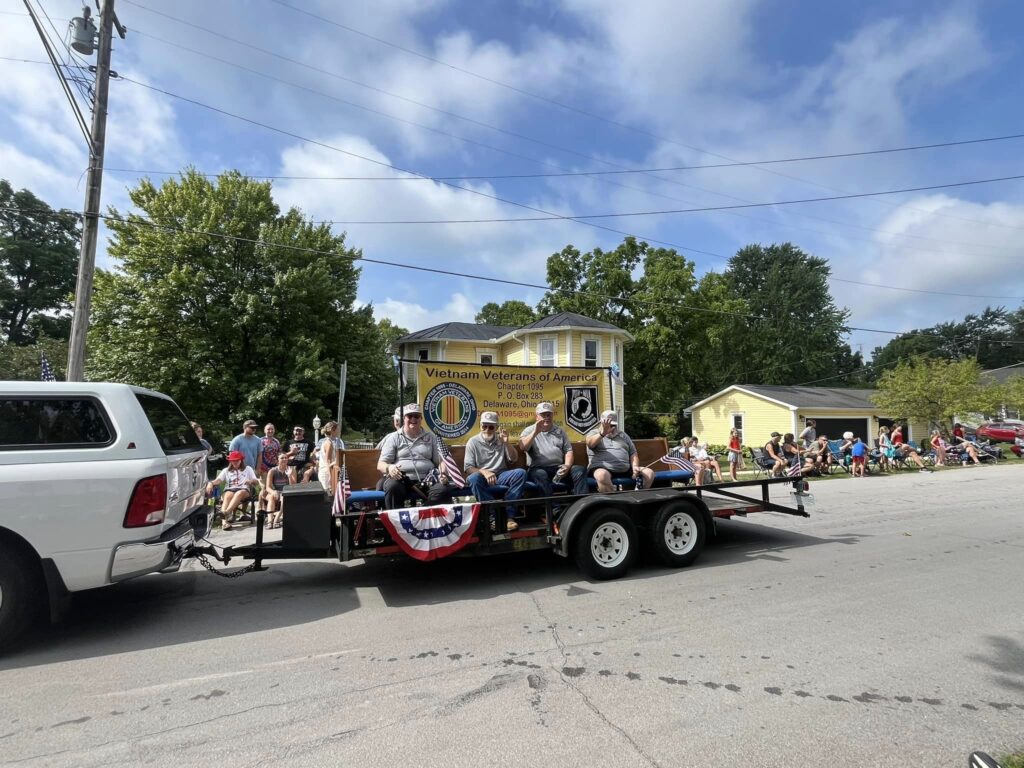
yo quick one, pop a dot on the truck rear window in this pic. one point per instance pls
(170, 425)
(53, 422)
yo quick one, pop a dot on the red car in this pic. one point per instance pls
(1000, 431)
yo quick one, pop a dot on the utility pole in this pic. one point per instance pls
(94, 184)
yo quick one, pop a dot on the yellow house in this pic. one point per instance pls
(756, 411)
(562, 340)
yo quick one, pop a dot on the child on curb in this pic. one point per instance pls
(277, 479)
(735, 449)
(858, 452)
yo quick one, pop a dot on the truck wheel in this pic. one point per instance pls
(606, 544)
(678, 534)
(19, 600)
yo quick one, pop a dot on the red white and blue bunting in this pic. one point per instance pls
(427, 533)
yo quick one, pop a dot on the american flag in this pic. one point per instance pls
(450, 466)
(677, 461)
(47, 371)
(342, 492)
(795, 470)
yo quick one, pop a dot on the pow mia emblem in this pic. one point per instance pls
(581, 410)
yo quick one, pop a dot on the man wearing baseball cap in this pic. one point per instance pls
(773, 450)
(248, 444)
(396, 420)
(612, 454)
(488, 462)
(407, 457)
(549, 453)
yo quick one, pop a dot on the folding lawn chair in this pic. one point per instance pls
(762, 464)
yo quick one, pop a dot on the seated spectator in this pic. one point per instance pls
(818, 455)
(791, 451)
(299, 451)
(396, 420)
(707, 461)
(905, 450)
(773, 450)
(488, 462)
(612, 455)
(958, 434)
(858, 457)
(272, 498)
(240, 482)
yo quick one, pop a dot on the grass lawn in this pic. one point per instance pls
(1016, 760)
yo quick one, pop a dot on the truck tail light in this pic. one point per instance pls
(148, 503)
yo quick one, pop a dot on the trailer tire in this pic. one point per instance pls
(678, 533)
(21, 593)
(606, 544)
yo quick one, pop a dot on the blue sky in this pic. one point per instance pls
(678, 83)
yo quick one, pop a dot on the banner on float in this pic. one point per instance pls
(453, 395)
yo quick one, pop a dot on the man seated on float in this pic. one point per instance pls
(408, 456)
(396, 420)
(488, 462)
(549, 453)
(612, 455)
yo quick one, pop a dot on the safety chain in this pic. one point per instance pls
(205, 562)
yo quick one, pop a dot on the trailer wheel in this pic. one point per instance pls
(678, 533)
(18, 604)
(606, 544)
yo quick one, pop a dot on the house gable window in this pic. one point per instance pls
(423, 353)
(547, 351)
(591, 352)
(485, 355)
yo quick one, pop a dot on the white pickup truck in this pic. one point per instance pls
(98, 483)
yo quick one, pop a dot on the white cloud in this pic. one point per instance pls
(990, 268)
(414, 316)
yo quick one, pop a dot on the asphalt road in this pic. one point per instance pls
(887, 627)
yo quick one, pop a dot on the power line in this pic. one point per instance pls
(585, 217)
(497, 128)
(598, 175)
(136, 219)
(563, 174)
(554, 102)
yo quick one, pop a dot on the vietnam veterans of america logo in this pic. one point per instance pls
(450, 409)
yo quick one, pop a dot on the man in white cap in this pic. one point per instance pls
(407, 456)
(488, 461)
(549, 453)
(613, 455)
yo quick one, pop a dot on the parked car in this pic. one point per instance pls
(98, 483)
(1000, 431)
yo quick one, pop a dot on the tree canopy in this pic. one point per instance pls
(38, 264)
(514, 313)
(768, 318)
(934, 390)
(234, 308)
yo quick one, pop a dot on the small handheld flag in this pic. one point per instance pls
(452, 469)
(341, 493)
(677, 461)
(46, 370)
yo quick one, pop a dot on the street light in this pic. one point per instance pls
(316, 427)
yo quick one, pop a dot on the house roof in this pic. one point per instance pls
(458, 332)
(479, 332)
(802, 397)
(1004, 374)
(566, 319)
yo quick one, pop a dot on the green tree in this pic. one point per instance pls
(513, 313)
(796, 331)
(21, 363)
(597, 284)
(993, 338)
(934, 390)
(38, 260)
(233, 308)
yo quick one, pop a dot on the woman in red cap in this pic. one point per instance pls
(239, 480)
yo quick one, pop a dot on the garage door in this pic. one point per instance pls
(834, 428)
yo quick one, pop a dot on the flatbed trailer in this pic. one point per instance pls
(603, 533)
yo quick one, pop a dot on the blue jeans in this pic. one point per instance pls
(542, 476)
(513, 479)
